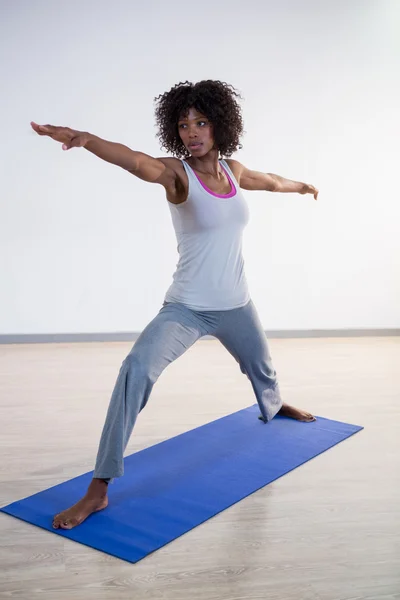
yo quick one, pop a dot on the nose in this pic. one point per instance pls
(192, 132)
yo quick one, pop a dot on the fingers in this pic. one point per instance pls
(49, 130)
(68, 137)
(41, 129)
(310, 189)
(313, 190)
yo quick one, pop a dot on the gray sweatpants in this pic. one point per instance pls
(167, 337)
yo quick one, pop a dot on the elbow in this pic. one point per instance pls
(274, 185)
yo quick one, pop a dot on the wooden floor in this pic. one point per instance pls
(330, 530)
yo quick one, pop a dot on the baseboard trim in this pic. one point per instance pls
(72, 338)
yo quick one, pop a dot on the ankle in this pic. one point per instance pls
(98, 487)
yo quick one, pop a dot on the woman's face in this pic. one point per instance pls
(196, 132)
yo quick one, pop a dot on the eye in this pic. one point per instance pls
(202, 123)
(182, 125)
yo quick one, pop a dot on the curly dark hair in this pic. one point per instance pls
(214, 99)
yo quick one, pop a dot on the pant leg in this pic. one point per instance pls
(165, 338)
(241, 333)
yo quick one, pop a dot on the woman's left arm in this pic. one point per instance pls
(254, 180)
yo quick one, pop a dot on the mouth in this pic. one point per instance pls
(195, 145)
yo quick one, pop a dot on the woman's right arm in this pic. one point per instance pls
(142, 165)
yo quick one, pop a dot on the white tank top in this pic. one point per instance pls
(209, 227)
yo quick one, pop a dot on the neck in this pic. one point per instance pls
(208, 163)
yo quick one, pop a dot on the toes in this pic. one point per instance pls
(56, 522)
(70, 523)
(62, 522)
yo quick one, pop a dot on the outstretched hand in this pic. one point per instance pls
(310, 189)
(70, 138)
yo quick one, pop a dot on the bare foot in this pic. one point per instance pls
(296, 413)
(94, 500)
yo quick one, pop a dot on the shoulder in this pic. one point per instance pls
(236, 167)
(179, 191)
(175, 165)
(172, 163)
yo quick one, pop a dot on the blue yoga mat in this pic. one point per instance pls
(170, 488)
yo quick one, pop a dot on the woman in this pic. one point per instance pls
(198, 124)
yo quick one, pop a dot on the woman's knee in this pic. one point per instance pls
(139, 366)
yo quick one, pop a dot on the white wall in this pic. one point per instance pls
(85, 247)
